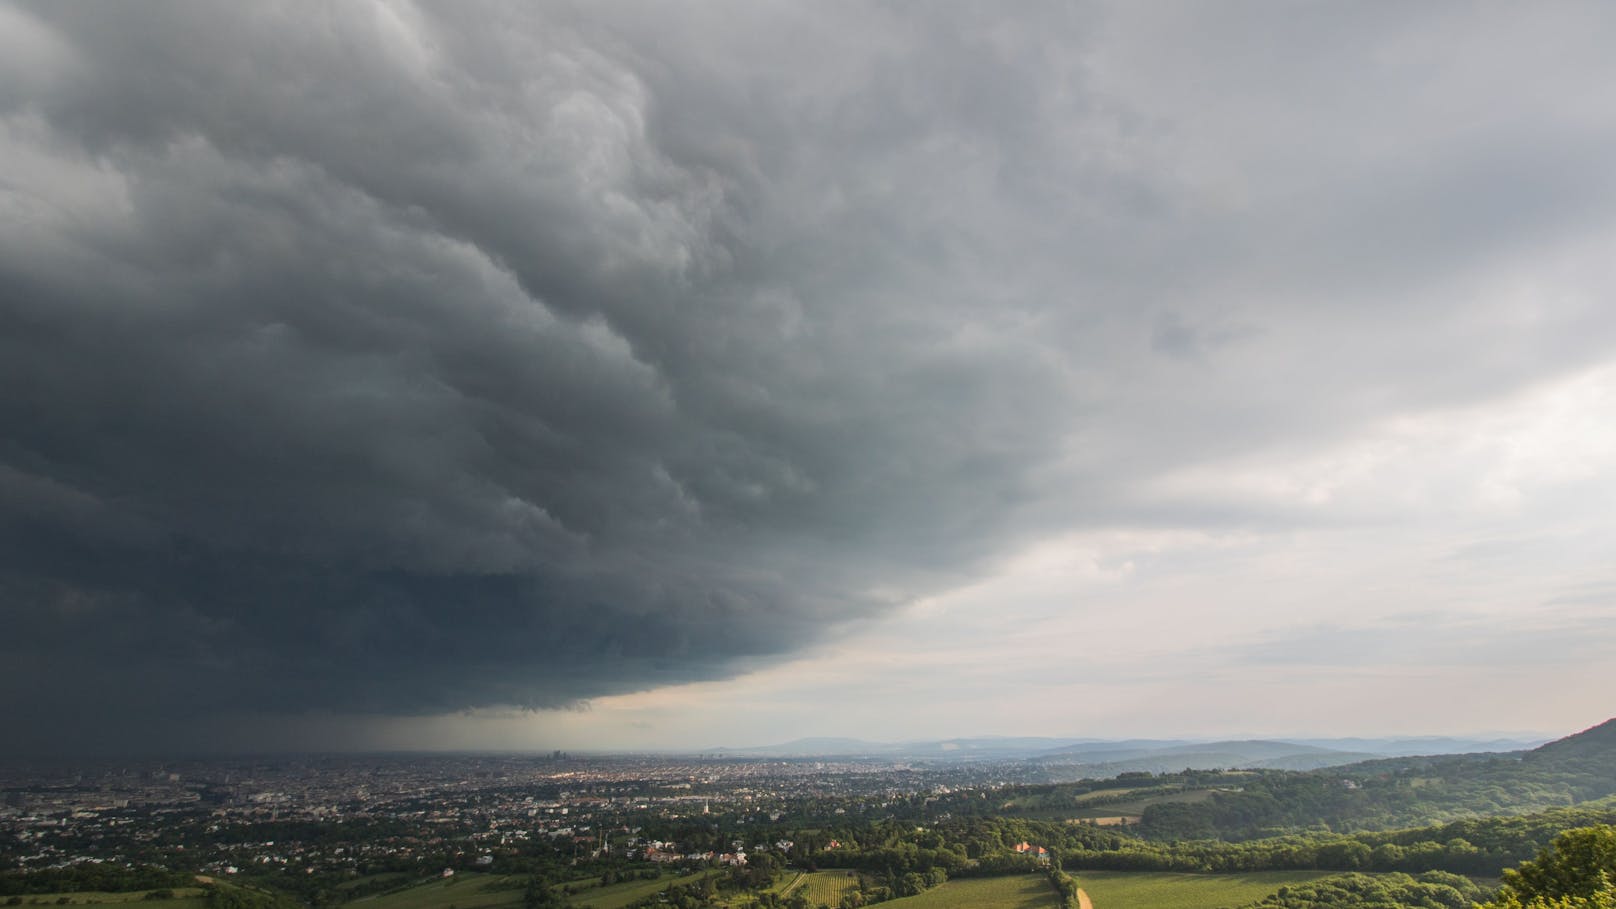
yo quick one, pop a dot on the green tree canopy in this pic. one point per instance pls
(1576, 871)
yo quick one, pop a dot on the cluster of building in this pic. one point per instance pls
(460, 807)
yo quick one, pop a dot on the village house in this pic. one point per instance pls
(1038, 852)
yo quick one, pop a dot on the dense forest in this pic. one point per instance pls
(1576, 870)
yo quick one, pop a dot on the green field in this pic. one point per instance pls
(825, 888)
(1023, 891)
(463, 891)
(396, 878)
(1102, 794)
(616, 896)
(184, 898)
(1165, 890)
(500, 891)
(1127, 801)
(1136, 806)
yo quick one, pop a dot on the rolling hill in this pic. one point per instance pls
(1405, 791)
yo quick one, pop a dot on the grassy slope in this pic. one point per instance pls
(493, 891)
(1138, 806)
(615, 896)
(184, 898)
(397, 878)
(1023, 891)
(1059, 807)
(463, 891)
(1164, 890)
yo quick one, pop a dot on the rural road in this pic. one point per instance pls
(1083, 900)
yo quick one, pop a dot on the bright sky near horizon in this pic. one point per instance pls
(643, 375)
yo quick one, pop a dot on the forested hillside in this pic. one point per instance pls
(1398, 792)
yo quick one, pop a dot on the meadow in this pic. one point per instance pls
(463, 891)
(1167, 890)
(393, 878)
(184, 898)
(497, 891)
(1022, 891)
(1105, 803)
(1136, 807)
(616, 896)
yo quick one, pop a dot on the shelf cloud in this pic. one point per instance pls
(406, 359)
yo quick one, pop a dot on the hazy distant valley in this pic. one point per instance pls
(1021, 823)
(1097, 757)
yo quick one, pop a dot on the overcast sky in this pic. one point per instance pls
(637, 375)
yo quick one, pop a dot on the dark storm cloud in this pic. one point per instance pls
(397, 363)
(400, 359)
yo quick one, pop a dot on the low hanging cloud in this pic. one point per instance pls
(406, 359)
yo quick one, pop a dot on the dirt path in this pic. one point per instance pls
(786, 891)
(1083, 900)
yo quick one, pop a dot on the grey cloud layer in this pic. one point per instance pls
(388, 358)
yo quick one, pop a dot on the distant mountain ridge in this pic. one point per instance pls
(975, 748)
(1099, 757)
(1399, 747)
